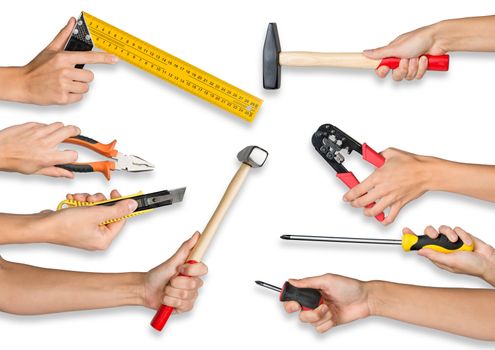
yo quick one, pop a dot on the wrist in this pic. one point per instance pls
(489, 274)
(372, 291)
(138, 285)
(435, 173)
(13, 84)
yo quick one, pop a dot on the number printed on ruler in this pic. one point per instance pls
(172, 69)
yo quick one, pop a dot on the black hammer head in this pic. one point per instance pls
(253, 156)
(271, 50)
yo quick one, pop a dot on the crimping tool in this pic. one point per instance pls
(329, 141)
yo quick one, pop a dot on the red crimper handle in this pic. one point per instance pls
(438, 63)
(163, 313)
(373, 157)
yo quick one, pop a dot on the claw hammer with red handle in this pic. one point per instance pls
(250, 157)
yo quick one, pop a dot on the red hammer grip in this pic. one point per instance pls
(163, 313)
(438, 63)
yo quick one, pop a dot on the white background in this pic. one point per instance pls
(193, 144)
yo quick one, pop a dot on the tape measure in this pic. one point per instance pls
(91, 31)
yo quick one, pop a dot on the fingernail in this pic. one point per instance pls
(367, 51)
(345, 199)
(133, 205)
(114, 59)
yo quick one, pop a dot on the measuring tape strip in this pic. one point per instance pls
(91, 31)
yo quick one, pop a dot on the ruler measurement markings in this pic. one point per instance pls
(109, 38)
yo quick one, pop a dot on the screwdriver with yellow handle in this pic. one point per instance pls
(408, 242)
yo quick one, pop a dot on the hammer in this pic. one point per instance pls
(250, 157)
(274, 59)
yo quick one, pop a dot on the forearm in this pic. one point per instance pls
(30, 290)
(467, 312)
(473, 180)
(30, 228)
(466, 34)
(11, 84)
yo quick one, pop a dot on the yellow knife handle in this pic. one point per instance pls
(440, 244)
(71, 203)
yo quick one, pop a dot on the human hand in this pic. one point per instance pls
(402, 178)
(51, 77)
(80, 227)
(480, 262)
(31, 148)
(164, 285)
(344, 300)
(410, 47)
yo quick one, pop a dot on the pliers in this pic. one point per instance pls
(122, 161)
(329, 141)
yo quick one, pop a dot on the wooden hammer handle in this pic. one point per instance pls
(222, 208)
(352, 60)
(164, 312)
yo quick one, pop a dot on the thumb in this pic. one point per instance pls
(60, 40)
(116, 211)
(380, 52)
(436, 257)
(309, 282)
(182, 253)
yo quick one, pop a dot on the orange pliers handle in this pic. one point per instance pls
(107, 150)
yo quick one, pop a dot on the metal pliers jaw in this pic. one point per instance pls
(331, 142)
(121, 161)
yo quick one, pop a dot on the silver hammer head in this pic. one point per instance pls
(253, 156)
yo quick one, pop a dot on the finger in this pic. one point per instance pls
(179, 304)
(182, 253)
(393, 213)
(80, 197)
(292, 306)
(431, 232)
(449, 232)
(437, 257)
(62, 157)
(400, 72)
(380, 206)
(73, 98)
(367, 198)
(50, 128)
(326, 317)
(184, 294)
(58, 43)
(76, 87)
(359, 190)
(325, 326)
(90, 57)
(183, 282)
(117, 211)
(115, 194)
(54, 171)
(382, 71)
(422, 67)
(198, 269)
(59, 135)
(316, 282)
(81, 75)
(413, 69)
(311, 316)
(463, 235)
(97, 197)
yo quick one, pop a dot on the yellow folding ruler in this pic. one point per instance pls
(91, 31)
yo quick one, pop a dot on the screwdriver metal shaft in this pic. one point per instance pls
(269, 286)
(341, 239)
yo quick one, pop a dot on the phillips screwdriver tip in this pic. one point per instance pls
(285, 237)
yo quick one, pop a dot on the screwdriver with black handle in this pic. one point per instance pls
(408, 242)
(308, 298)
